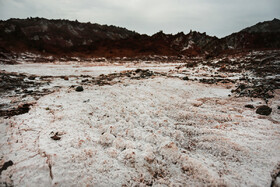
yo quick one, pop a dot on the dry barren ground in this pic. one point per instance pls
(155, 129)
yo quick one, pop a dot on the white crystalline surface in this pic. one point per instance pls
(93, 69)
(159, 131)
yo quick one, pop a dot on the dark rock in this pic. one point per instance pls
(79, 89)
(242, 86)
(143, 73)
(264, 110)
(208, 81)
(249, 106)
(56, 137)
(186, 78)
(138, 70)
(6, 165)
(27, 91)
(31, 78)
(278, 107)
(85, 101)
(191, 64)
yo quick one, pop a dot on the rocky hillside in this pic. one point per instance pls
(191, 44)
(56, 36)
(266, 26)
(264, 35)
(71, 38)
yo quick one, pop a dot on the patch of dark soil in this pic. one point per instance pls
(109, 79)
(21, 109)
(6, 165)
(208, 81)
(259, 88)
(141, 74)
(261, 63)
(16, 81)
(215, 80)
(20, 86)
(11, 81)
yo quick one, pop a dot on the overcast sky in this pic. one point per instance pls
(215, 17)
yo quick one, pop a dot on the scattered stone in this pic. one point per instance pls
(191, 64)
(31, 78)
(264, 110)
(101, 82)
(143, 73)
(249, 106)
(85, 101)
(208, 81)
(6, 165)
(260, 88)
(138, 70)
(79, 89)
(56, 137)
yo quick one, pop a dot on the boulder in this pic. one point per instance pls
(264, 110)
(79, 89)
(249, 106)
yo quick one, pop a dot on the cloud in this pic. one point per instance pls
(216, 17)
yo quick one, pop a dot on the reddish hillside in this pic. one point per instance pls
(71, 38)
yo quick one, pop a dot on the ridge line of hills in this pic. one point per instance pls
(72, 38)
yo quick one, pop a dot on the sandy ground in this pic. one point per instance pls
(160, 131)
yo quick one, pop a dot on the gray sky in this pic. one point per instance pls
(215, 17)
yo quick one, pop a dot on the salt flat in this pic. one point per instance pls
(158, 130)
